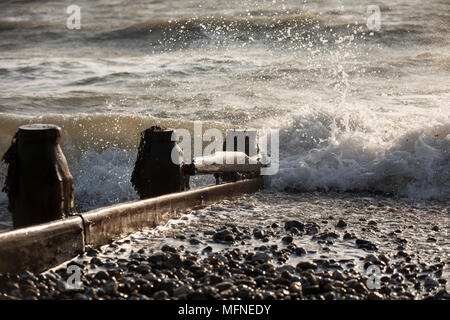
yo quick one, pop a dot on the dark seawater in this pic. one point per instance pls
(358, 110)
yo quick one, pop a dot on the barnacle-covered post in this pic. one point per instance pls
(39, 184)
(159, 165)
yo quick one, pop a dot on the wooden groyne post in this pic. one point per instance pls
(39, 184)
(155, 172)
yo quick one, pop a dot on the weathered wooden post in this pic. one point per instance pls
(39, 184)
(155, 172)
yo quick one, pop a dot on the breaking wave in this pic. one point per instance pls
(319, 152)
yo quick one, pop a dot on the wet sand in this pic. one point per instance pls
(269, 246)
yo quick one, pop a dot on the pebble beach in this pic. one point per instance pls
(357, 92)
(249, 248)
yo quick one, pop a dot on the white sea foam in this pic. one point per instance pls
(103, 178)
(326, 153)
(317, 153)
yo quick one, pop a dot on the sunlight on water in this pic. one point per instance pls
(357, 110)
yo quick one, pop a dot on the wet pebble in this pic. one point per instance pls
(341, 224)
(294, 224)
(305, 265)
(430, 282)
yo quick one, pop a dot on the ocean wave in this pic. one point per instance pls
(100, 150)
(320, 152)
(115, 76)
(201, 26)
(273, 28)
(89, 131)
(10, 25)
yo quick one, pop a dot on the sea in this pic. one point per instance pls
(358, 89)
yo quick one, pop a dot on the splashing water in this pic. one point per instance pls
(357, 110)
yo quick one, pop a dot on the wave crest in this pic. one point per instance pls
(327, 155)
